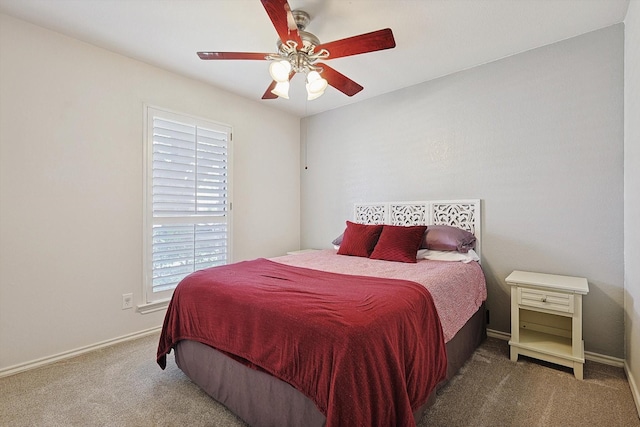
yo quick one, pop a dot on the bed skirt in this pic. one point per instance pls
(261, 399)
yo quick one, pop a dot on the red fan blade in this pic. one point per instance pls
(268, 94)
(369, 42)
(233, 55)
(280, 14)
(341, 82)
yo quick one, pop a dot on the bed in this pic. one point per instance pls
(300, 369)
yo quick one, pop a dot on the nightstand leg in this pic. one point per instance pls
(578, 370)
(514, 354)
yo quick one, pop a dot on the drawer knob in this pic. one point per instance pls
(544, 299)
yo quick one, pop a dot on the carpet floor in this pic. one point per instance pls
(122, 386)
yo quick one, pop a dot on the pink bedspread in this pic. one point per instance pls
(458, 289)
(368, 351)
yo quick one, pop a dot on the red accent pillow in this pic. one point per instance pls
(399, 243)
(359, 239)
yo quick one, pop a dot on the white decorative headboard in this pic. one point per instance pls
(464, 214)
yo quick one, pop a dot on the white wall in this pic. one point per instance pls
(71, 170)
(632, 196)
(537, 136)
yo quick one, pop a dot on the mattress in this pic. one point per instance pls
(458, 292)
(262, 400)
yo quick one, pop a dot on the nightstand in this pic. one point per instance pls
(546, 318)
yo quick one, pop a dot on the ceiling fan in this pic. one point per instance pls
(299, 51)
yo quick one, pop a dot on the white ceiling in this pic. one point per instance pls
(433, 37)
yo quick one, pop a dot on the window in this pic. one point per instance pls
(187, 199)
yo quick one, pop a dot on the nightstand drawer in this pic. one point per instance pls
(555, 301)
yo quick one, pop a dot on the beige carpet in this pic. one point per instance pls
(123, 386)
(490, 390)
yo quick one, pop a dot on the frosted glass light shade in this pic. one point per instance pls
(316, 85)
(281, 89)
(313, 95)
(280, 70)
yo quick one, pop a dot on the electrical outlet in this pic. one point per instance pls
(127, 301)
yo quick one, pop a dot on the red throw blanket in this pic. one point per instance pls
(368, 351)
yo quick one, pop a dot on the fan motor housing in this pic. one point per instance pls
(309, 41)
(301, 18)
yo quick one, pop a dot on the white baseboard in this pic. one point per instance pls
(635, 392)
(588, 355)
(605, 360)
(498, 334)
(11, 370)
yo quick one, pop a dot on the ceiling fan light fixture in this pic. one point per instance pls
(280, 70)
(316, 85)
(281, 89)
(299, 50)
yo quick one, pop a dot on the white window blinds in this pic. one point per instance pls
(190, 173)
(188, 185)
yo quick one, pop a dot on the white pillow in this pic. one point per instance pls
(448, 255)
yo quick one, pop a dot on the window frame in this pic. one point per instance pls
(154, 301)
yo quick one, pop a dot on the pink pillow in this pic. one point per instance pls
(398, 243)
(359, 239)
(448, 238)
